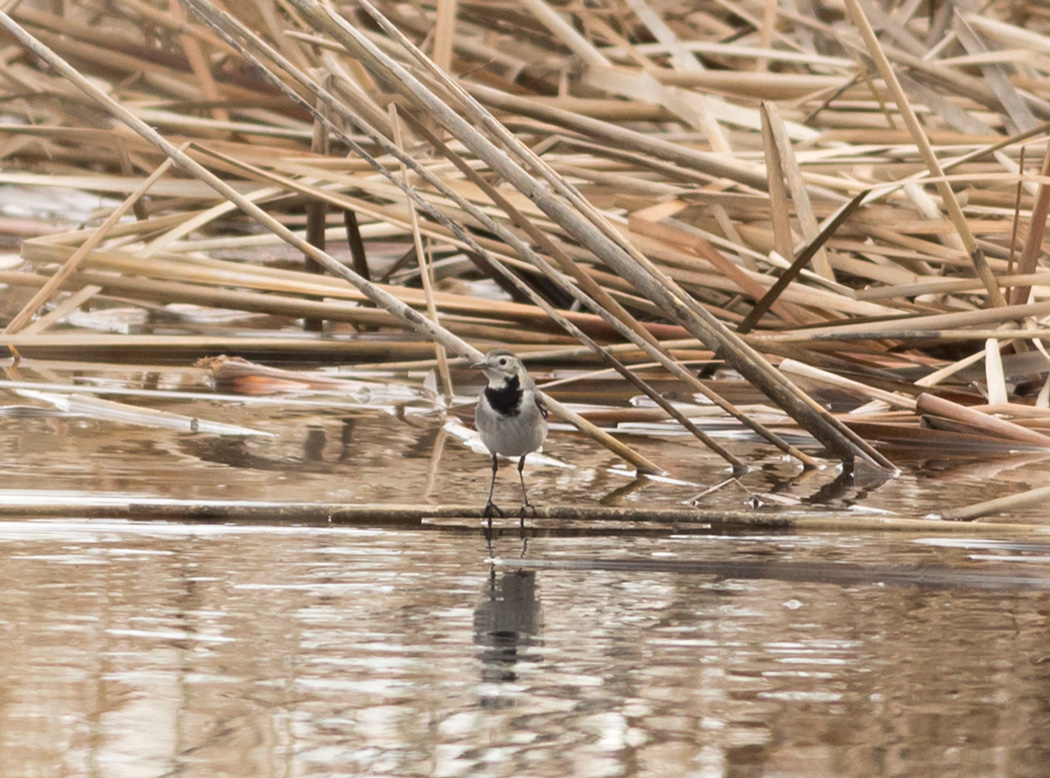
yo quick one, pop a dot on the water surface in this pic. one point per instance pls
(165, 649)
(162, 649)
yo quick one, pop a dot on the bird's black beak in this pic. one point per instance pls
(478, 365)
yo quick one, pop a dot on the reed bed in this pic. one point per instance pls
(841, 200)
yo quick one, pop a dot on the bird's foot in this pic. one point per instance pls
(491, 509)
(526, 507)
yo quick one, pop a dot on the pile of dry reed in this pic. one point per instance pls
(844, 195)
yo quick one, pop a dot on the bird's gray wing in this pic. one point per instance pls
(541, 405)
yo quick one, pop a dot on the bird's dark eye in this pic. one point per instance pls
(503, 362)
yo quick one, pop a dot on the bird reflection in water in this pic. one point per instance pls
(506, 624)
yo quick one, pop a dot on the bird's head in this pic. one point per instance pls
(500, 366)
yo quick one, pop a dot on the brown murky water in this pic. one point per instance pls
(154, 649)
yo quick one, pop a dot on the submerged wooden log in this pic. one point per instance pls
(471, 516)
(838, 573)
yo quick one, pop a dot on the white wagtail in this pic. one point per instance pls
(510, 417)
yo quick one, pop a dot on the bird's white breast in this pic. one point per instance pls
(512, 435)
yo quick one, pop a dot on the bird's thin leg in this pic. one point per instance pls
(490, 507)
(524, 494)
(492, 483)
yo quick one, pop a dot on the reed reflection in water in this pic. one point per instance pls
(153, 649)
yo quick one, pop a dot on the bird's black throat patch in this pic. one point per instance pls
(505, 399)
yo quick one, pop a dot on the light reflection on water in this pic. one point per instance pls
(165, 649)
(152, 649)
